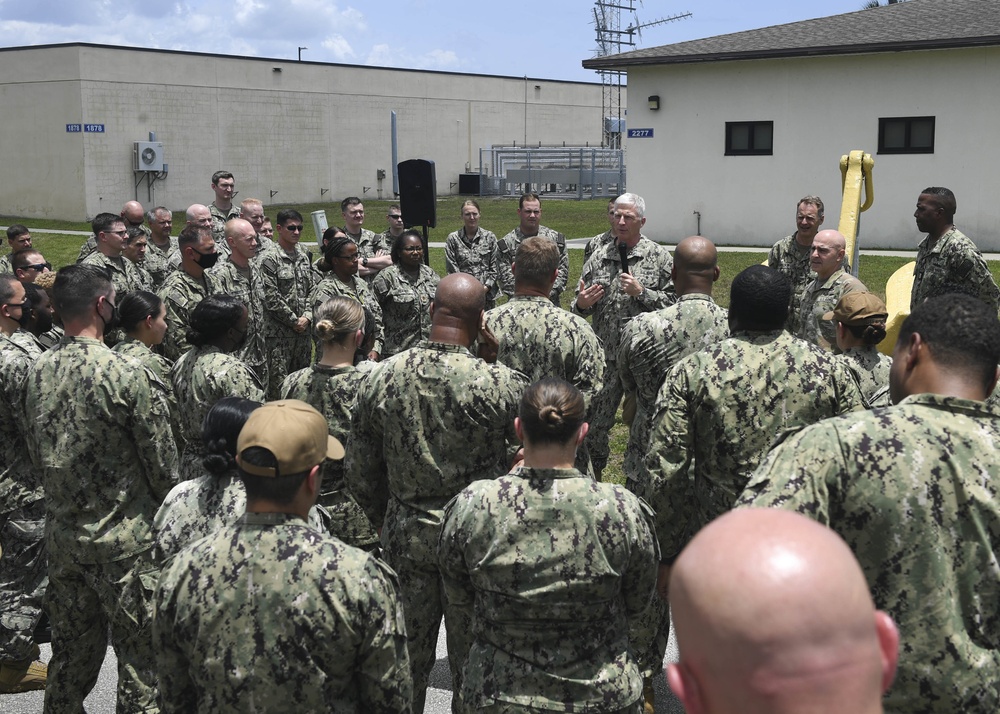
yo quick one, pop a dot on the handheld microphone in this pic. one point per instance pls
(623, 254)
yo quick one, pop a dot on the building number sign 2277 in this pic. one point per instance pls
(640, 133)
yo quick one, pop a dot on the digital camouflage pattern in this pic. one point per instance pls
(27, 342)
(539, 339)
(651, 345)
(248, 287)
(477, 257)
(819, 298)
(951, 261)
(717, 414)
(405, 301)
(200, 378)
(201, 506)
(598, 242)
(23, 575)
(219, 220)
(792, 259)
(159, 366)
(157, 264)
(357, 290)
(5, 264)
(871, 370)
(550, 565)
(427, 423)
(507, 250)
(327, 627)
(369, 243)
(913, 491)
(124, 274)
(103, 445)
(182, 293)
(651, 264)
(289, 279)
(88, 247)
(332, 392)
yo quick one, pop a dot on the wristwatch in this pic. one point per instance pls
(364, 261)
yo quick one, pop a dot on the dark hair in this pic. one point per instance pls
(397, 243)
(77, 287)
(288, 214)
(103, 222)
(34, 294)
(133, 233)
(192, 235)
(220, 432)
(944, 198)
(280, 489)
(136, 307)
(16, 230)
(551, 411)
(220, 175)
(535, 260)
(7, 283)
(758, 298)
(812, 201)
(19, 260)
(870, 334)
(529, 196)
(367, 337)
(328, 235)
(213, 317)
(348, 202)
(962, 334)
(334, 248)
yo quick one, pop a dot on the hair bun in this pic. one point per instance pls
(551, 415)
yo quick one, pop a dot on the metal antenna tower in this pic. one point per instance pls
(613, 39)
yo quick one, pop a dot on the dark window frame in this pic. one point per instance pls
(754, 150)
(907, 147)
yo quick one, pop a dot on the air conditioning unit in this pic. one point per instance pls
(149, 156)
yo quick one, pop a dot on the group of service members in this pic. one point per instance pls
(546, 577)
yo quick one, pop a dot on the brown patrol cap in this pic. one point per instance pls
(294, 432)
(859, 308)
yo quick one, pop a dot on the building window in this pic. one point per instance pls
(749, 138)
(906, 135)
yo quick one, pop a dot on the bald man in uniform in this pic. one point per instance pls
(773, 615)
(820, 296)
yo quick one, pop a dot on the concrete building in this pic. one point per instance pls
(747, 123)
(290, 131)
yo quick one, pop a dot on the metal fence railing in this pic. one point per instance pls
(583, 172)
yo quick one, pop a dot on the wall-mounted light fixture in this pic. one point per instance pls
(276, 69)
(654, 102)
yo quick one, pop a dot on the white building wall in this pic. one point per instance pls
(822, 108)
(295, 132)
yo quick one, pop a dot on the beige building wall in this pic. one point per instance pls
(309, 132)
(822, 109)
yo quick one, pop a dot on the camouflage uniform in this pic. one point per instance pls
(288, 282)
(327, 630)
(912, 490)
(507, 249)
(359, 291)
(477, 257)
(539, 339)
(792, 259)
(427, 423)
(160, 367)
(871, 370)
(651, 265)
(50, 339)
(405, 303)
(199, 507)
(219, 220)
(157, 263)
(23, 575)
(952, 260)
(88, 247)
(182, 293)
(248, 287)
(200, 378)
(721, 409)
(332, 391)
(550, 565)
(5, 264)
(598, 242)
(27, 342)
(125, 275)
(102, 443)
(819, 298)
(369, 243)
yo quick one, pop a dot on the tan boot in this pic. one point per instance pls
(24, 675)
(648, 697)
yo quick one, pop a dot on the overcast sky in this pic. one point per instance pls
(547, 39)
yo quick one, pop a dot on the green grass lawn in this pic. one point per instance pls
(575, 219)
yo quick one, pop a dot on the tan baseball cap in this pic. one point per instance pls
(291, 430)
(857, 309)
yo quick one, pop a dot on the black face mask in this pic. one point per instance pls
(25, 319)
(206, 260)
(43, 322)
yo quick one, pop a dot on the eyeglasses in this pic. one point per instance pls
(120, 234)
(39, 266)
(23, 305)
(352, 258)
(413, 249)
(293, 228)
(395, 217)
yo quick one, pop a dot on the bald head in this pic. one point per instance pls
(696, 266)
(198, 215)
(459, 295)
(133, 213)
(827, 253)
(773, 614)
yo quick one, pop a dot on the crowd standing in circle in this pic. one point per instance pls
(256, 520)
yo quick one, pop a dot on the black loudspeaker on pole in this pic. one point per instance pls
(418, 193)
